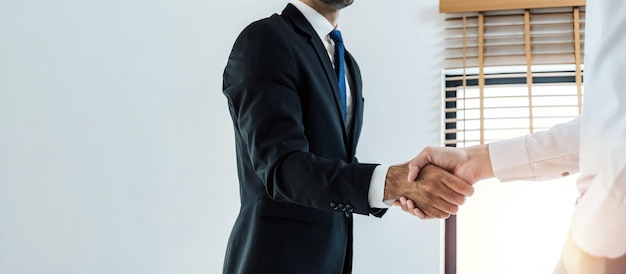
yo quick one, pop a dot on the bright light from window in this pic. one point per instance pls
(515, 227)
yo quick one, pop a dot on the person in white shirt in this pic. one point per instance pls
(593, 144)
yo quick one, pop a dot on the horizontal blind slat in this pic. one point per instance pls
(501, 110)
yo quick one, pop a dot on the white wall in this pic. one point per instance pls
(116, 148)
(397, 46)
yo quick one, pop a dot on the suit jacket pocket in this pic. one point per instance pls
(286, 211)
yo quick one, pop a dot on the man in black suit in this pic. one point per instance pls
(297, 111)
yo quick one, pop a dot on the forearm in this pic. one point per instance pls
(305, 179)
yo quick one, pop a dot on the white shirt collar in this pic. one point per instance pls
(320, 24)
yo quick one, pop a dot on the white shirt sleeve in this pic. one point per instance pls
(539, 156)
(377, 188)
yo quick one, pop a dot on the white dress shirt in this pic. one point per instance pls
(323, 27)
(594, 143)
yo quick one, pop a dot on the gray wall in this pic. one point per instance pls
(116, 148)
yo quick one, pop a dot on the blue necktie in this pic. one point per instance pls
(335, 35)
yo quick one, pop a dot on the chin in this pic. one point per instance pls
(338, 4)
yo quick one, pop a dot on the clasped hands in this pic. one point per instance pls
(437, 181)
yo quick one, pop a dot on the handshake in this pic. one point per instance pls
(436, 182)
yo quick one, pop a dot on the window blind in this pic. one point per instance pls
(509, 73)
(499, 37)
(503, 108)
(518, 54)
(449, 6)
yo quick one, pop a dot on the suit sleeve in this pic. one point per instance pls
(261, 83)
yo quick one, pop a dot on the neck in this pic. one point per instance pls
(330, 13)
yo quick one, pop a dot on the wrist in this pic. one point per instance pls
(480, 156)
(394, 176)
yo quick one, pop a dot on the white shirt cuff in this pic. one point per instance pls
(509, 159)
(377, 188)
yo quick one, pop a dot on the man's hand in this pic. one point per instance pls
(436, 192)
(470, 164)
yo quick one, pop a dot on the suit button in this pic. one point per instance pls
(348, 214)
(333, 205)
(342, 207)
(349, 208)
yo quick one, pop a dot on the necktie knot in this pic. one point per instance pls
(335, 35)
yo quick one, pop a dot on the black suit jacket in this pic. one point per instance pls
(298, 177)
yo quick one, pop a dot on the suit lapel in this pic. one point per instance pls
(354, 80)
(301, 24)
